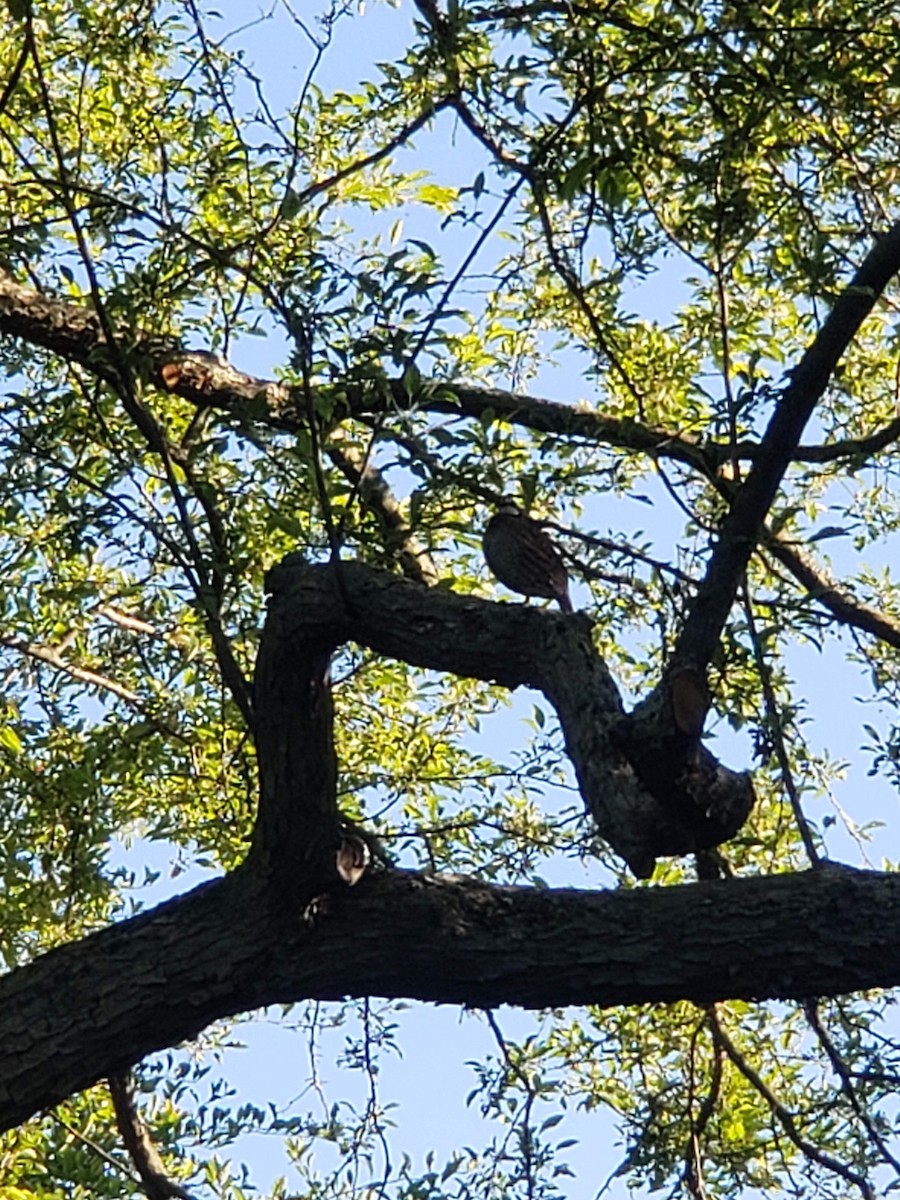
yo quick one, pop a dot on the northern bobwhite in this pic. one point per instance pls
(523, 558)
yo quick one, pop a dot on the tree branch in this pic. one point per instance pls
(784, 1118)
(821, 587)
(650, 789)
(74, 332)
(741, 528)
(139, 1144)
(103, 683)
(92, 1008)
(375, 494)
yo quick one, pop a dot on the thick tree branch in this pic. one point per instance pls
(90, 1009)
(297, 823)
(650, 789)
(743, 524)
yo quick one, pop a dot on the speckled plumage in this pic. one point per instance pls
(523, 557)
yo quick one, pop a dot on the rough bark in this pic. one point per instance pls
(88, 1010)
(651, 790)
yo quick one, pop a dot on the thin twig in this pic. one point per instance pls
(776, 732)
(784, 1118)
(141, 416)
(530, 1096)
(814, 1017)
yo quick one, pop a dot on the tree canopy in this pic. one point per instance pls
(281, 325)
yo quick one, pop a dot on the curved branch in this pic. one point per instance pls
(650, 788)
(138, 1143)
(74, 332)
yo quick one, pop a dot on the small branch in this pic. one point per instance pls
(609, 546)
(53, 658)
(453, 283)
(517, 1071)
(858, 449)
(122, 380)
(814, 1017)
(138, 1143)
(97, 1149)
(822, 588)
(15, 75)
(775, 728)
(692, 1174)
(784, 1118)
(127, 621)
(369, 160)
(415, 561)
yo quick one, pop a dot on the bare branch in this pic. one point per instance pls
(822, 588)
(415, 561)
(776, 731)
(814, 1016)
(138, 1143)
(53, 658)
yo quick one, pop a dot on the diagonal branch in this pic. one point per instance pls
(375, 494)
(53, 658)
(844, 1073)
(821, 587)
(741, 528)
(151, 1168)
(785, 1118)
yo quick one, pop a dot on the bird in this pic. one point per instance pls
(523, 557)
